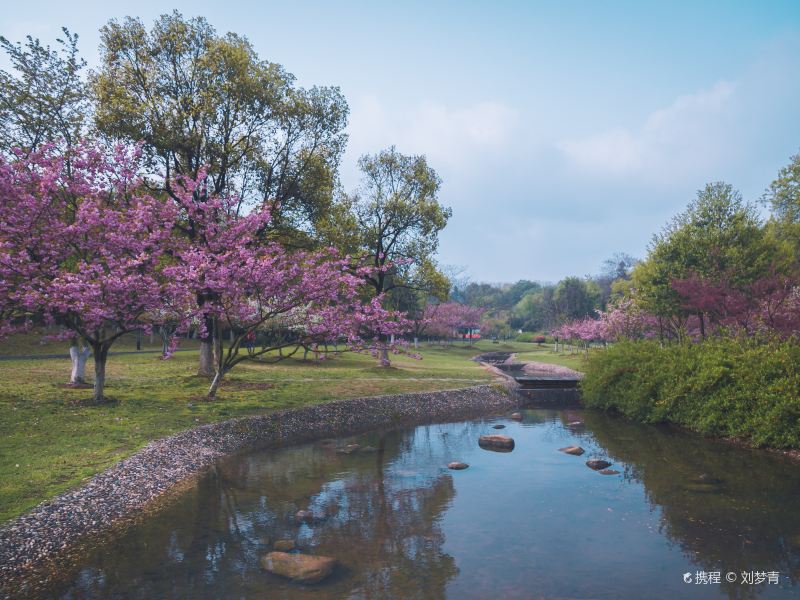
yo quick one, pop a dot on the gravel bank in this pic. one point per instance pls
(36, 542)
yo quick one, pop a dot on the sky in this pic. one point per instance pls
(563, 132)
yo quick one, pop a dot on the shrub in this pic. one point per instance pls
(729, 387)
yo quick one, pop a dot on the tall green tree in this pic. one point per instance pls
(43, 97)
(783, 197)
(535, 311)
(393, 220)
(203, 100)
(783, 194)
(719, 235)
(575, 298)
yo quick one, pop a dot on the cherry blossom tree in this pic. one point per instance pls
(450, 319)
(626, 321)
(768, 305)
(227, 275)
(81, 249)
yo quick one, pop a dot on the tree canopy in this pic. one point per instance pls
(200, 100)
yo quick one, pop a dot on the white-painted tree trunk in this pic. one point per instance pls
(416, 342)
(78, 356)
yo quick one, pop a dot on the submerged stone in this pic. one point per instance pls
(574, 450)
(702, 488)
(706, 479)
(608, 472)
(498, 426)
(597, 464)
(500, 443)
(348, 449)
(305, 568)
(285, 545)
(457, 466)
(303, 516)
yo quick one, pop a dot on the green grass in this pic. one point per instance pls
(33, 345)
(49, 442)
(545, 354)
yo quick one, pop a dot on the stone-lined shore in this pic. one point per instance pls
(35, 542)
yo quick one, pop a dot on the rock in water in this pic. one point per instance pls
(574, 450)
(500, 443)
(304, 568)
(608, 472)
(303, 516)
(516, 416)
(597, 464)
(285, 545)
(707, 479)
(498, 426)
(348, 449)
(457, 466)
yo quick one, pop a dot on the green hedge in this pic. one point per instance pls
(737, 388)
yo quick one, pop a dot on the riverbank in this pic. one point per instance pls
(47, 535)
(738, 390)
(52, 441)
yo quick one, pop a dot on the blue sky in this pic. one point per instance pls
(563, 131)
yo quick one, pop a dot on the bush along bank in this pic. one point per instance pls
(737, 388)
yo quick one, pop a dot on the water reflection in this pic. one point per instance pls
(728, 508)
(535, 523)
(377, 511)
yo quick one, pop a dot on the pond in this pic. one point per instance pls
(532, 523)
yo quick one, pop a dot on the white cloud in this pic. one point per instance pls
(617, 151)
(449, 136)
(688, 135)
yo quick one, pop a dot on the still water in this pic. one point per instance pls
(533, 523)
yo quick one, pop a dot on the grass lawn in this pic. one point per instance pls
(545, 354)
(50, 443)
(31, 345)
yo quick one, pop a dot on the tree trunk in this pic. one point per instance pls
(208, 342)
(206, 367)
(219, 370)
(416, 342)
(212, 390)
(78, 356)
(100, 356)
(385, 362)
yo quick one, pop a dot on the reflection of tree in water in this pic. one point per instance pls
(378, 514)
(728, 508)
